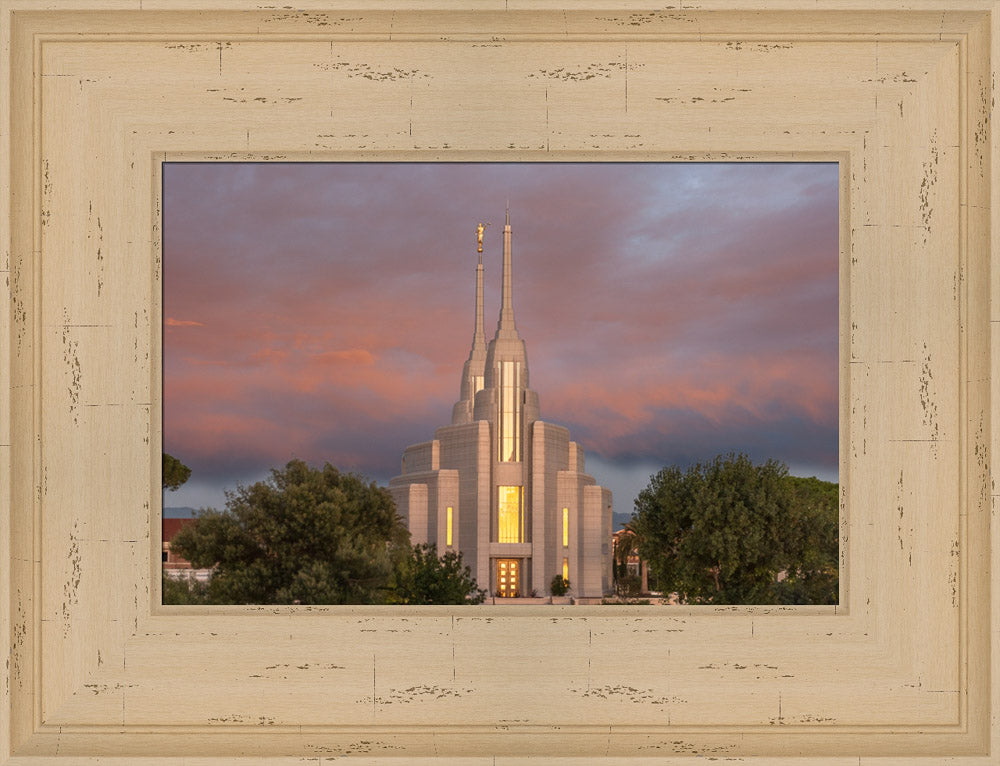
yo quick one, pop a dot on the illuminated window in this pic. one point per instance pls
(509, 415)
(509, 515)
(448, 533)
(565, 527)
(565, 569)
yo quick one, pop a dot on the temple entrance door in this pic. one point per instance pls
(508, 578)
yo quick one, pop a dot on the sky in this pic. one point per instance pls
(671, 312)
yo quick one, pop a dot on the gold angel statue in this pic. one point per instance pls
(480, 228)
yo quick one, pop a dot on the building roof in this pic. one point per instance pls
(172, 526)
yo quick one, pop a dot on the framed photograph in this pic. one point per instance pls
(101, 96)
(346, 313)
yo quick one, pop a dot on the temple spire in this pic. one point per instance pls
(506, 325)
(474, 369)
(479, 335)
(506, 365)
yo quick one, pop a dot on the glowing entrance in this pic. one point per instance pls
(508, 578)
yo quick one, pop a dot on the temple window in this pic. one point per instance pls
(509, 515)
(509, 415)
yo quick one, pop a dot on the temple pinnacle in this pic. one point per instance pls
(480, 228)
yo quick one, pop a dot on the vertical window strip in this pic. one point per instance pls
(565, 568)
(565, 527)
(517, 410)
(509, 412)
(448, 532)
(501, 416)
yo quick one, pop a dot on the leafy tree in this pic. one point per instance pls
(175, 472)
(305, 535)
(426, 578)
(626, 583)
(559, 586)
(183, 591)
(812, 570)
(717, 533)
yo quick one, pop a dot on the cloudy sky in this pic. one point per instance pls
(672, 312)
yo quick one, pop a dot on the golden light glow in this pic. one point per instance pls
(565, 527)
(509, 515)
(507, 576)
(448, 532)
(565, 568)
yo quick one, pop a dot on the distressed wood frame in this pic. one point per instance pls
(901, 94)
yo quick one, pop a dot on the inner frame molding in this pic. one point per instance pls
(102, 93)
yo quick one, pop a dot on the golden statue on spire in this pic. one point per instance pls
(480, 228)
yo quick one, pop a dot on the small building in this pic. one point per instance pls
(500, 485)
(171, 561)
(173, 565)
(631, 572)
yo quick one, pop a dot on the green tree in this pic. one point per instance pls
(717, 533)
(626, 583)
(559, 585)
(305, 535)
(175, 472)
(183, 591)
(812, 575)
(426, 578)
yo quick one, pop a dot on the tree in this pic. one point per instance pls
(627, 583)
(175, 472)
(426, 578)
(183, 591)
(559, 585)
(717, 533)
(812, 575)
(305, 535)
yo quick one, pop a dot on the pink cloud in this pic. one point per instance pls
(337, 303)
(171, 322)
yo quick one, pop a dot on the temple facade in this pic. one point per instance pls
(502, 486)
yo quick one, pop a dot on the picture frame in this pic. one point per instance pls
(101, 93)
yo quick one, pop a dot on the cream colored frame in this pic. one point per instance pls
(902, 97)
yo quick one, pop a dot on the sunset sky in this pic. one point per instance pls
(671, 312)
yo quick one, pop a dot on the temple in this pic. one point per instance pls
(499, 484)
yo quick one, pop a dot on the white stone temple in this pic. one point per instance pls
(502, 486)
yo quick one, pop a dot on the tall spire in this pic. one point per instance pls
(506, 368)
(506, 326)
(507, 403)
(479, 335)
(474, 370)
